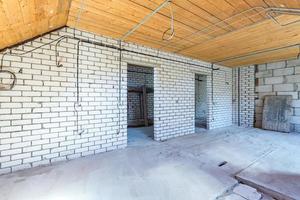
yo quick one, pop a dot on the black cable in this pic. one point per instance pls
(14, 79)
(212, 91)
(120, 86)
(238, 97)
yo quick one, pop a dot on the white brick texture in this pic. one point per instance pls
(244, 96)
(38, 122)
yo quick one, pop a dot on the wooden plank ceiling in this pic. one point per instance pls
(246, 33)
(21, 20)
(200, 31)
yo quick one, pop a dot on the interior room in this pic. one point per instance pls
(201, 106)
(149, 100)
(140, 104)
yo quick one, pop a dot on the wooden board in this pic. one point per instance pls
(247, 33)
(21, 20)
(277, 113)
(196, 33)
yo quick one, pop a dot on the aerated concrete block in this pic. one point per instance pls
(284, 88)
(274, 80)
(263, 74)
(293, 94)
(264, 88)
(293, 63)
(297, 70)
(284, 71)
(293, 79)
(276, 65)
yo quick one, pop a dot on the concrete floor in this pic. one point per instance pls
(140, 136)
(181, 168)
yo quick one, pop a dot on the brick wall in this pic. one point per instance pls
(243, 96)
(280, 78)
(221, 114)
(38, 122)
(138, 76)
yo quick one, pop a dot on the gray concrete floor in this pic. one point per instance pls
(140, 136)
(184, 168)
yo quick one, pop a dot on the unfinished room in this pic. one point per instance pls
(149, 99)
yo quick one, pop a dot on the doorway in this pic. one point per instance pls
(201, 106)
(140, 105)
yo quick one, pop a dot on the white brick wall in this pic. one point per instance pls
(280, 78)
(37, 118)
(244, 96)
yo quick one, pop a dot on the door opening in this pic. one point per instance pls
(200, 102)
(140, 100)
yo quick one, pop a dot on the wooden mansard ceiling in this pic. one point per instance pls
(210, 30)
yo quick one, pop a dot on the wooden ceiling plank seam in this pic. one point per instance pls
(257, 53)
(256, 3)
(233, 32)
(275, 29)
(245, 6)
(150, 29)
(211, 14)
(209, 22)
(163, 46)
(216, 36)
(214, 10)
(68, 6)
(103, 22)
(121, 13)
(233, 11)
(91, 24)
(119, 16)
(161, 14)
(127, 20)
(185, 15)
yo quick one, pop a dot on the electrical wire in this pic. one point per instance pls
(120, 87)
(20, 54)
(12, 85)
(82, 7)
(171, 26)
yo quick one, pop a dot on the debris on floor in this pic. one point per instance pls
(241, 192)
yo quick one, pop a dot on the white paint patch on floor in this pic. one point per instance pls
(181, 168)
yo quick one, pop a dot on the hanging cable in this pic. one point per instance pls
(21, 54)
(14, 79)
(171, 29)
(82, 7)
(120, 86)
(11, 74)
(77, 105)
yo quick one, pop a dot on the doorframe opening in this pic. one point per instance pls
(141, 130)
(200, 125)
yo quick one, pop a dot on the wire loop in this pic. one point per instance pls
(12, 85)
(171, 26)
